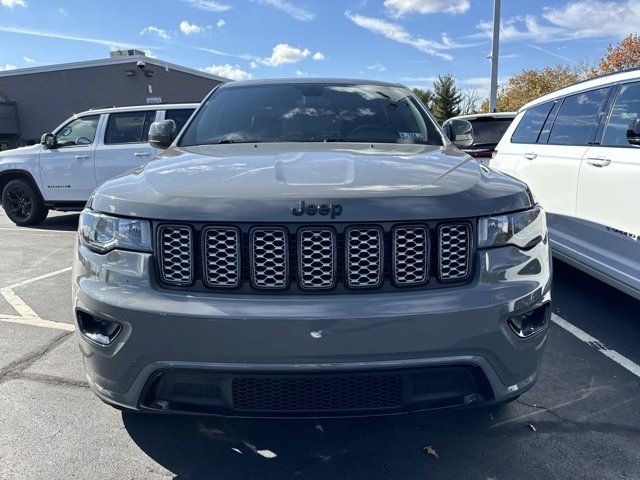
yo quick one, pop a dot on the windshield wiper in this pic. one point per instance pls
(333, 139)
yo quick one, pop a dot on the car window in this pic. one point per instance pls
(489, 131)
(180, 116)
(577, 118)
(81, 131)
(546, 128)
(129, 127)
(625, 116)
(311, 112)
(531, 123)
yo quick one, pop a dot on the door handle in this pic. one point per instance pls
(83, 157)
(142, 154)
(598, 162)
(530, 156)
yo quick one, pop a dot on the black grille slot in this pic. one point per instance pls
(197, 390)
(317, 258)
(454, 251)
(317, 393)
(221, 255)
(176, 254)
(364, 257)
(410, 255)
(269, 257)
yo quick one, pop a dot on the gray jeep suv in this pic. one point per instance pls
(310, 248)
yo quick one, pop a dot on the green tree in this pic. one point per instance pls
(425, 96)
(446, 98)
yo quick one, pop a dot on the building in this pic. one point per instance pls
(35, 100)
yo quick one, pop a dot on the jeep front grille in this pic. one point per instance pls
(314, 257)
(317, 263)
(221, 255)
(176, 254)
(269, 257)
(454, 241)
(410, 255)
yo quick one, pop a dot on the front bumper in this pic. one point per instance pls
(290, 341)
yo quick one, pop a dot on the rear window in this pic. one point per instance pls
(129, 127)
(529, 127)
(489, 131)
(577, 118)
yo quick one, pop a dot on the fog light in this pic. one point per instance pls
(98, 330)
(531, 322)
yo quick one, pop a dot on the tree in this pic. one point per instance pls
(425, 96)
(470, 99)
(624, 55)
(531, 84)
(446, 98)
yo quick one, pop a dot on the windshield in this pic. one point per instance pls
(305, 112)
(489, 131)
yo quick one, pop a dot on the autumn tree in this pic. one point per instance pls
(446, 98)
(624, 55)
(531, 84)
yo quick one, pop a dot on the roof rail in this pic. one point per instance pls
(102, 108)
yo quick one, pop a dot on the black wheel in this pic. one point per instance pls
(23, 204)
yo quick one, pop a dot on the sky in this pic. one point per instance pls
(407, 41)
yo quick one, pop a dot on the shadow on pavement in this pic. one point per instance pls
(385, 447)
(66, 222)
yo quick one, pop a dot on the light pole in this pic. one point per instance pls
(493, 96)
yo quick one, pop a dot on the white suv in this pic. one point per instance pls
(579, 150)
(87, 149)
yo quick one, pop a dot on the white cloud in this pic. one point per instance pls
(300, 73)
(13, 3)
(319, 56)
(209, 5)
(397, 8)
(283, 54)
(63, 12)
(113, 44)
(7, 66)
(244, 56)
(191, 28)
(28, 59)
(221, 23)
(296, 12)
(158, 32)
(150, 54)
(397, 33)
(573, 20)
(228, 71)
(378, 67)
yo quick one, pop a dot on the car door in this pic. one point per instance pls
(550, 166)
(67, 169)
(124, 144)
(608, 198)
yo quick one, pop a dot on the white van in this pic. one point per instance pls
(83, 152)
(578, 149)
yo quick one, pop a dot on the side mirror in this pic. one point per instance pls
(461, 133)
(633, 132)
(162, 134)
(48, 140)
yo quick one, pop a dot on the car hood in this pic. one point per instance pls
(263, 182)
(29, 150)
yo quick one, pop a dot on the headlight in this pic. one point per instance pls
(522, 229)
(103, 233)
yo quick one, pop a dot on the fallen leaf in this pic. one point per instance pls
(266, 453)
(237, 450)
(319, 428)
(431, 451)
(532, 427)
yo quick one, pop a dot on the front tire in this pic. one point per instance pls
(23, 204)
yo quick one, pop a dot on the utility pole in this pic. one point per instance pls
(494, 56)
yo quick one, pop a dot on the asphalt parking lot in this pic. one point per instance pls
(582, 420)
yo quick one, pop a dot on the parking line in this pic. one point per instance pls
(26, 314)
(597, 344)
